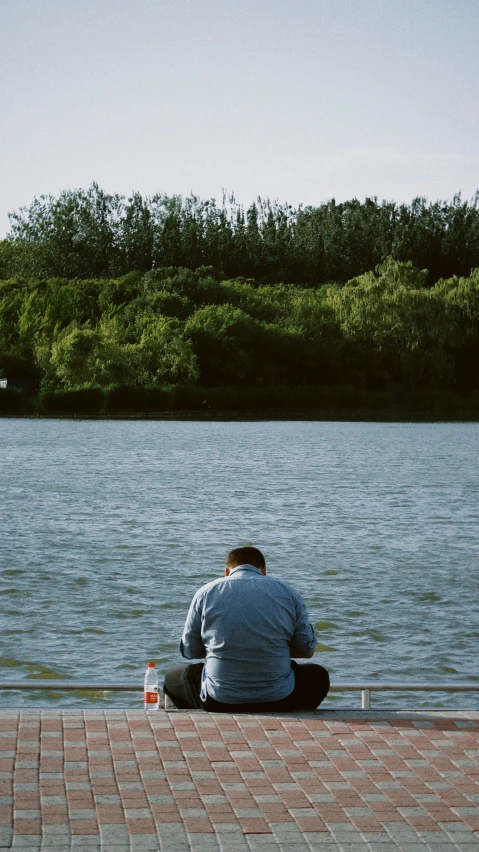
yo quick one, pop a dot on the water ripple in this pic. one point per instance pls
(110, 527)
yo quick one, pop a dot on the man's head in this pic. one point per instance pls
(245, 556)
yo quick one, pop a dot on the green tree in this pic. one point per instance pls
(136, 236)
(226, 342)
(396, 328)
(75, 235)
(84, 356)
(164, 355)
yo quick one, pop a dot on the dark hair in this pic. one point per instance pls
(245, 556)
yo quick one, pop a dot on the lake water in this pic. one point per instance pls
(109, 527)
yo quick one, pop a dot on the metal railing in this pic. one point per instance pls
(378, 686)
(365, 688)
(60, 685)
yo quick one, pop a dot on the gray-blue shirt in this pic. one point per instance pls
(248, 626)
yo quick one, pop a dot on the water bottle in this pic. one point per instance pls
(152, 698)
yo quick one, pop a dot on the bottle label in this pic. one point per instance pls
(151, 698)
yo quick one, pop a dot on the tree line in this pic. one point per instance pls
(384, 330)
(93, 234)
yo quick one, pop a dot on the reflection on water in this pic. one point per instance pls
(108, 528)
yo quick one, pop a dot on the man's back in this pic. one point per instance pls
(248, 626)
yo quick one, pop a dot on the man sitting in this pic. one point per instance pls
(248, 626)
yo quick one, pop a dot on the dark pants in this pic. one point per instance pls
(183, 684)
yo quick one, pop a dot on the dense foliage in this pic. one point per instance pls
(384, 330)
(89, 234)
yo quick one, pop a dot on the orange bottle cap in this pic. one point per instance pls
(151, 665)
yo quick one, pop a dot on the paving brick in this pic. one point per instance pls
(188, 781)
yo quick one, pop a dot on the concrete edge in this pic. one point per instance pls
(319, 715)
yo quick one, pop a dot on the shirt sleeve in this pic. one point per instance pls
(303, 641)
(191, 643)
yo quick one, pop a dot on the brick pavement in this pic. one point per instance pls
(331, 780)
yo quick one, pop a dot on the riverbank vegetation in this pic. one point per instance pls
(247, 333)
(91, 234)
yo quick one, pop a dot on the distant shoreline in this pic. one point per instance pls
(182, 402)
(339, 415)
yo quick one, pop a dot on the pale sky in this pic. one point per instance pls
(295, 100)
